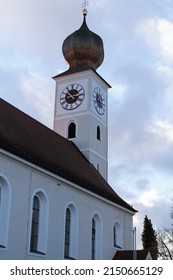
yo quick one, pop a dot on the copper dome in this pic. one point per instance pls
(83, 49)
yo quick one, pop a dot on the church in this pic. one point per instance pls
(55, 201)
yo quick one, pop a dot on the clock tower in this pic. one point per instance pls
(81, 97)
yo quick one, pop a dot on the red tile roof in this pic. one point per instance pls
(129, 255)
(25, 137)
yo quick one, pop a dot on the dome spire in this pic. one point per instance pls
(83, 49)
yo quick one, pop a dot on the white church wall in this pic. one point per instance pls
(19, 179)
(26, 180)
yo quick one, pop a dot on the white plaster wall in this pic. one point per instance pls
(26, 180)
(19, 179)
(85, 117)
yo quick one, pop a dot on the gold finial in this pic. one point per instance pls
(84, 11)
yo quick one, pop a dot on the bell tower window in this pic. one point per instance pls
(98, 133)
(98, 167)
(72, 130)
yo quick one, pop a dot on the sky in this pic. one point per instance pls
(138, 64)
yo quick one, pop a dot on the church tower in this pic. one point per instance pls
(81, 97)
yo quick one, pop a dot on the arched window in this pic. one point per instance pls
(67, 233)
(98, 167)
(35, 224)
(72, 130)
(39, 224)
(96, 242)
(4, 211)
(71, 233)
(98, 133)
(117, 235)
(93, 239)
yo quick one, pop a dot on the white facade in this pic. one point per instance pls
(20, 181)
(85, 117)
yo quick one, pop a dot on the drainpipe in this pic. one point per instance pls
(134, 244)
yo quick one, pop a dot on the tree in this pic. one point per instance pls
(165, 241)
(149, 238)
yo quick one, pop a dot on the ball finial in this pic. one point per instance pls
(84, 11)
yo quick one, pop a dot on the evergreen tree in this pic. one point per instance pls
(149, 238)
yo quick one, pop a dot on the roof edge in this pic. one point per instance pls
(71, 71)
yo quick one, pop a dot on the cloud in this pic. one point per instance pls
(149, 198)
(39, 96)
(100, 3)
(162, 132)
(157, 33)
(160, 148)
(33, 33)
(133, 109)
(9, 86)
(142, 183)
(30, 92)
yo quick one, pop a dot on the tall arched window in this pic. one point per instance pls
(67, 233)
(98, 133)
(117, 235)
(93, 239)
(96, 242)
(39, 224)
(4, 211)
(35, 224)
(71, 233)
(72, 130)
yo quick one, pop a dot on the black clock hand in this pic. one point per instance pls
(100, 100)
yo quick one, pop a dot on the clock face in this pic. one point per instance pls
(72, 96)
(99, 101)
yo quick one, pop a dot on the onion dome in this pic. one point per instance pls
(83, 49)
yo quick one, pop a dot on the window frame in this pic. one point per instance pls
(5, 206)
(72, 251)
(98, 133)
(96, 251)
(41, 246)
(71, 130)
(117, 235)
